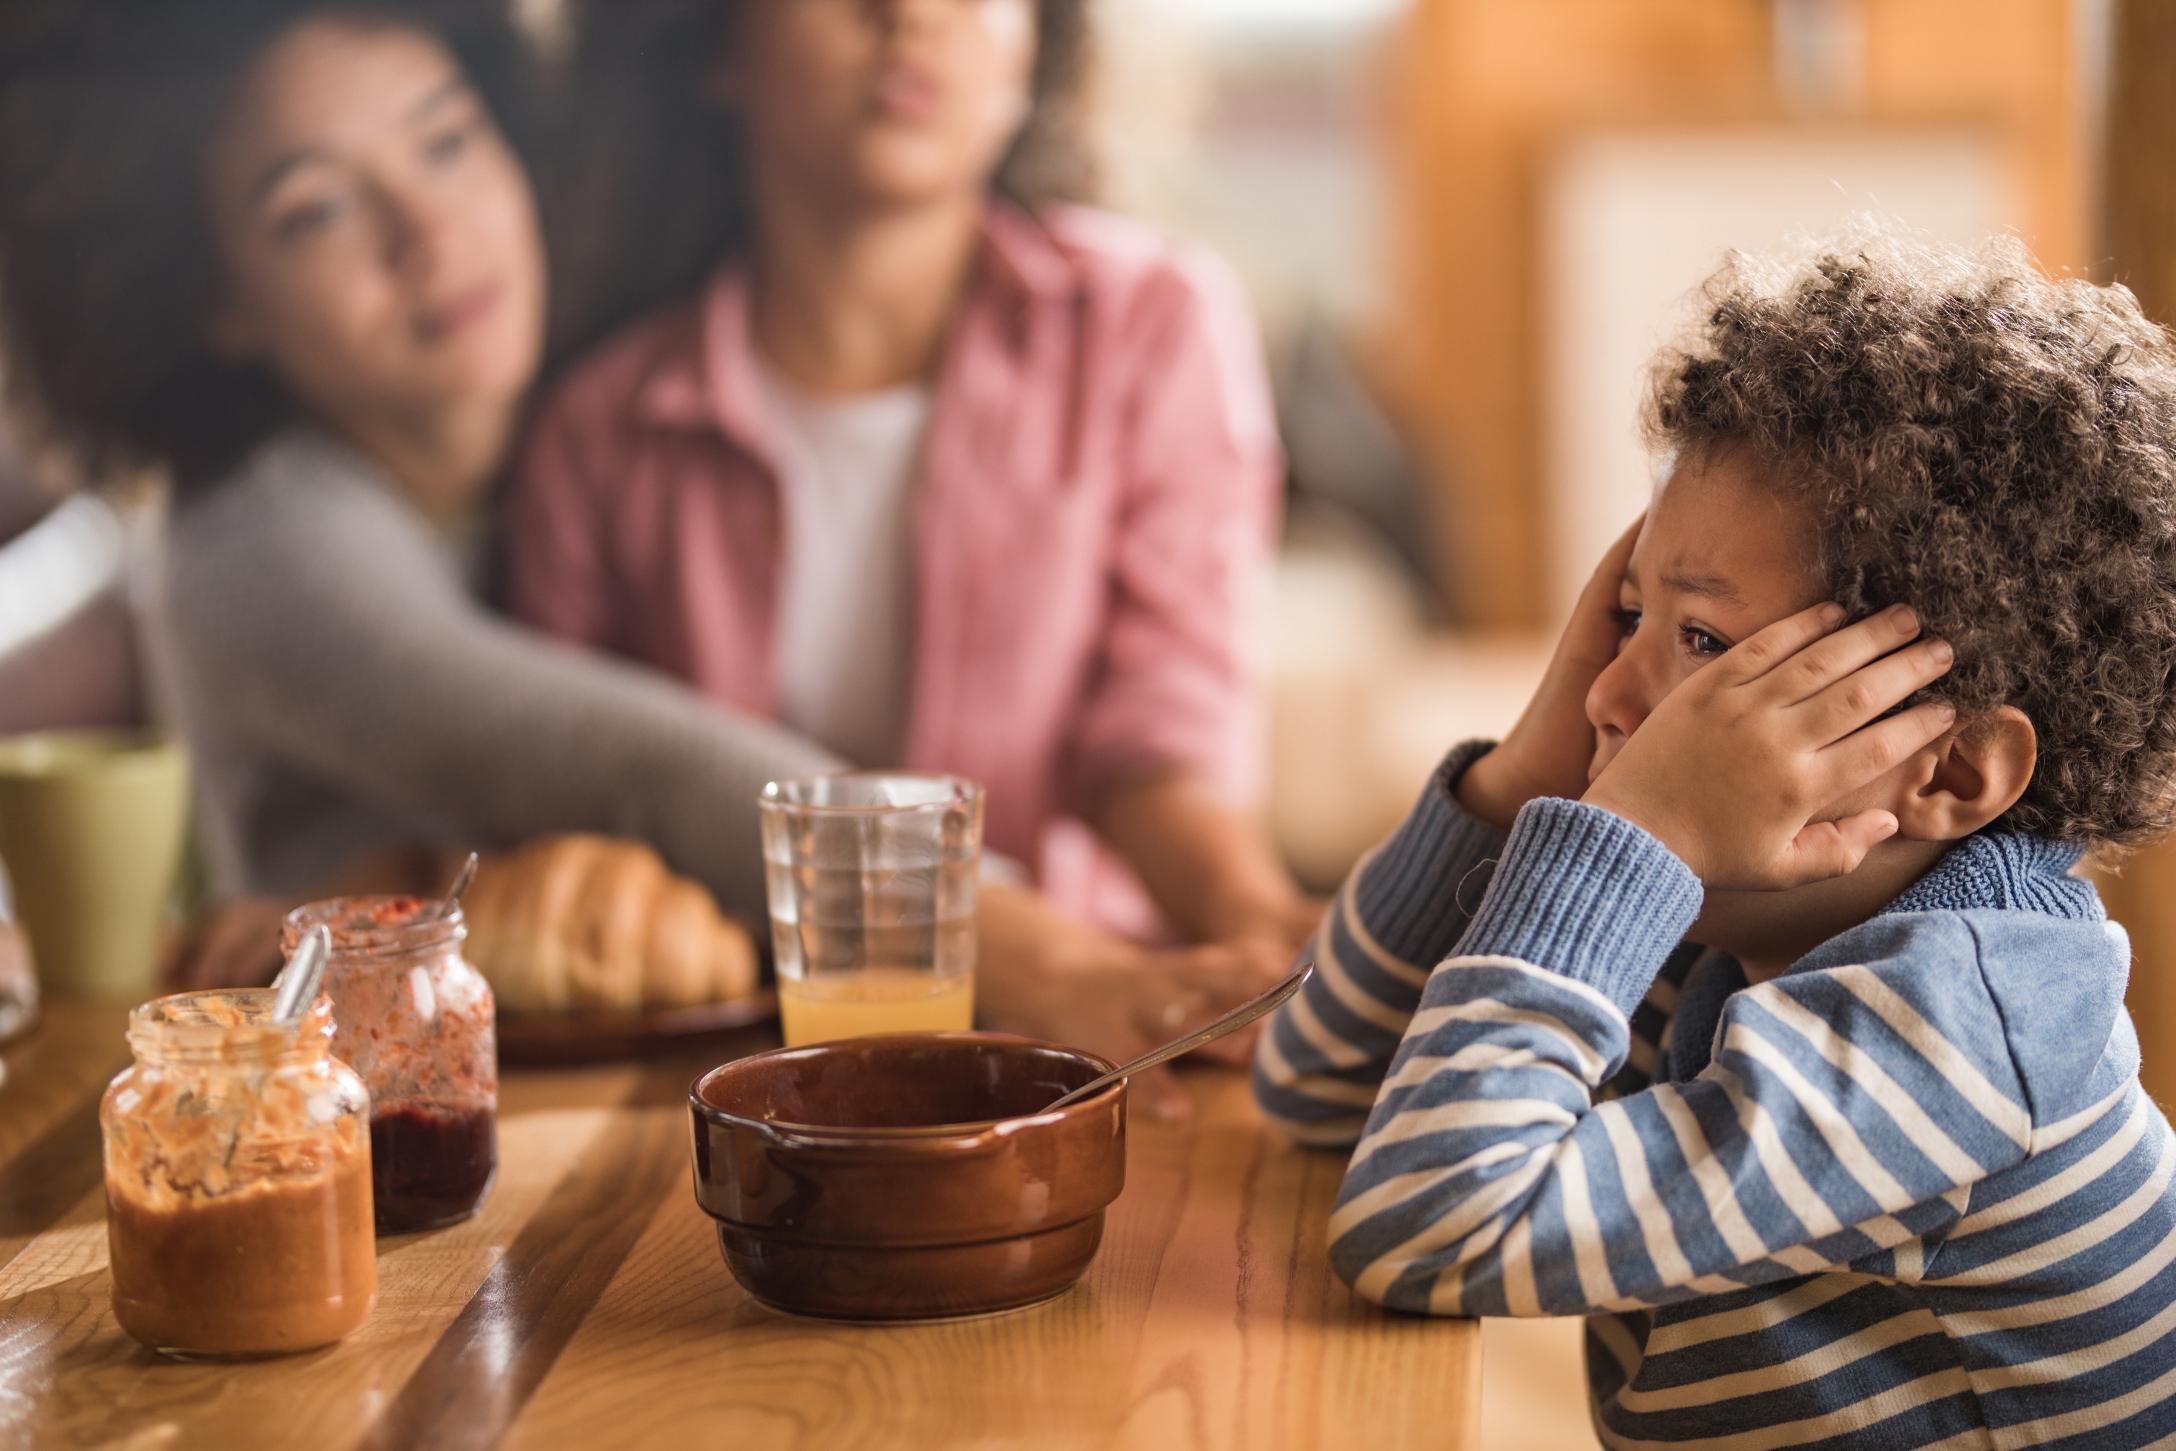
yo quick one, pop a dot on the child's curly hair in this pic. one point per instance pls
(1992, 447)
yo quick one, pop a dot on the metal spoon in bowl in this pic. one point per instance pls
(453, 893)
(296, 986)
(1231, 1022)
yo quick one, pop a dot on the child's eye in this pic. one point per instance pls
(1702, 644)
(1628, 619)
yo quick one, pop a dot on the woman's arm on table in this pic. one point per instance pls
(1209, 867)
(1168, 746)
(318, 619)
(1212, 871)
(1046, 974)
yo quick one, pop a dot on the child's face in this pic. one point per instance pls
(1721, 556)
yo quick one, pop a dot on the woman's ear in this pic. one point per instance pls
(1969, 777)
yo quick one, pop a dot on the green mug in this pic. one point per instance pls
(91, 829)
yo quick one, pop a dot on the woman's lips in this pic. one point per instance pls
(435, 325)
(908, 93)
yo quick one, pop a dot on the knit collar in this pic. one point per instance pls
(2006, 871)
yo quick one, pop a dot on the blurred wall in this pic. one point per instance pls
(1633, 221)
(1487, 97)
(1251, 126)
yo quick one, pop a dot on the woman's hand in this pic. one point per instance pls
(1209, 867)
(1047, 975)
(1737, 766)
(235, 944)
(1128, 1004)
(1547, 753)
(1281, 928)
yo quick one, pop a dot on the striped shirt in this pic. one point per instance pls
(1907, 1194)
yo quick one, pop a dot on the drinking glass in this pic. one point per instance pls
(871, 879)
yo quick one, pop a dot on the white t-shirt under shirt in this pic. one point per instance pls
(845, 645)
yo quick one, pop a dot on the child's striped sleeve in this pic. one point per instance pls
(1398, 914)
(1842, 1114)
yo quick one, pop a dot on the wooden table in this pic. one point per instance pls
(586, 1305)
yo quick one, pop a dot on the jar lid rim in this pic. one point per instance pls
(364, 925)
(228, 1025)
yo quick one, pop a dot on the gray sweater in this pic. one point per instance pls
(343, 692)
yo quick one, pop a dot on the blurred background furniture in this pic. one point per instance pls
(68, 652)
(2138, 230)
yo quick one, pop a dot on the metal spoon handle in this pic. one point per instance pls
(460, 885)
(296, 986)
(1231, 1022)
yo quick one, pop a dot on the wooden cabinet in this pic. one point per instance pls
(2142, 896)
(1484, 93)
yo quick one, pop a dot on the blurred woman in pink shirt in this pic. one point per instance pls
(940, 474)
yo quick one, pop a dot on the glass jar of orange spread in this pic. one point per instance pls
(416, 1021)
(237, 1180)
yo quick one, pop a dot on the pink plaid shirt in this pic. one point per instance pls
(1094, 510)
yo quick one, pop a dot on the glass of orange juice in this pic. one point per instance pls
(871, 879)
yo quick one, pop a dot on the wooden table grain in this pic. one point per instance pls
(587, 1306)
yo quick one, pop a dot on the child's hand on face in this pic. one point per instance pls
(1737, 765)
(1547, 752)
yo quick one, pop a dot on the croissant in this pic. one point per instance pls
(567, 923)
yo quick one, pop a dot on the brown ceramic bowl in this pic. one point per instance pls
(912, 1176)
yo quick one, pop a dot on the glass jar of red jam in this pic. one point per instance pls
(415, 1020)
(237, 1180)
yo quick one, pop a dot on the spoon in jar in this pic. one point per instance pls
(296, 986)
(453, 893)
(1231, 1022)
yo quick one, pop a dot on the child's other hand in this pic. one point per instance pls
(1548, 751)
(1737, 768)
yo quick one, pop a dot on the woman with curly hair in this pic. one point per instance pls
(1744, 998)
(286, 250)
(934, 467)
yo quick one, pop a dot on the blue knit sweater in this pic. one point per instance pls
(1906, 1194)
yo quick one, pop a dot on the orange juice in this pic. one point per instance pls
(875, 1000)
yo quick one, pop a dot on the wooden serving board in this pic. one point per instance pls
(545, 1040)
